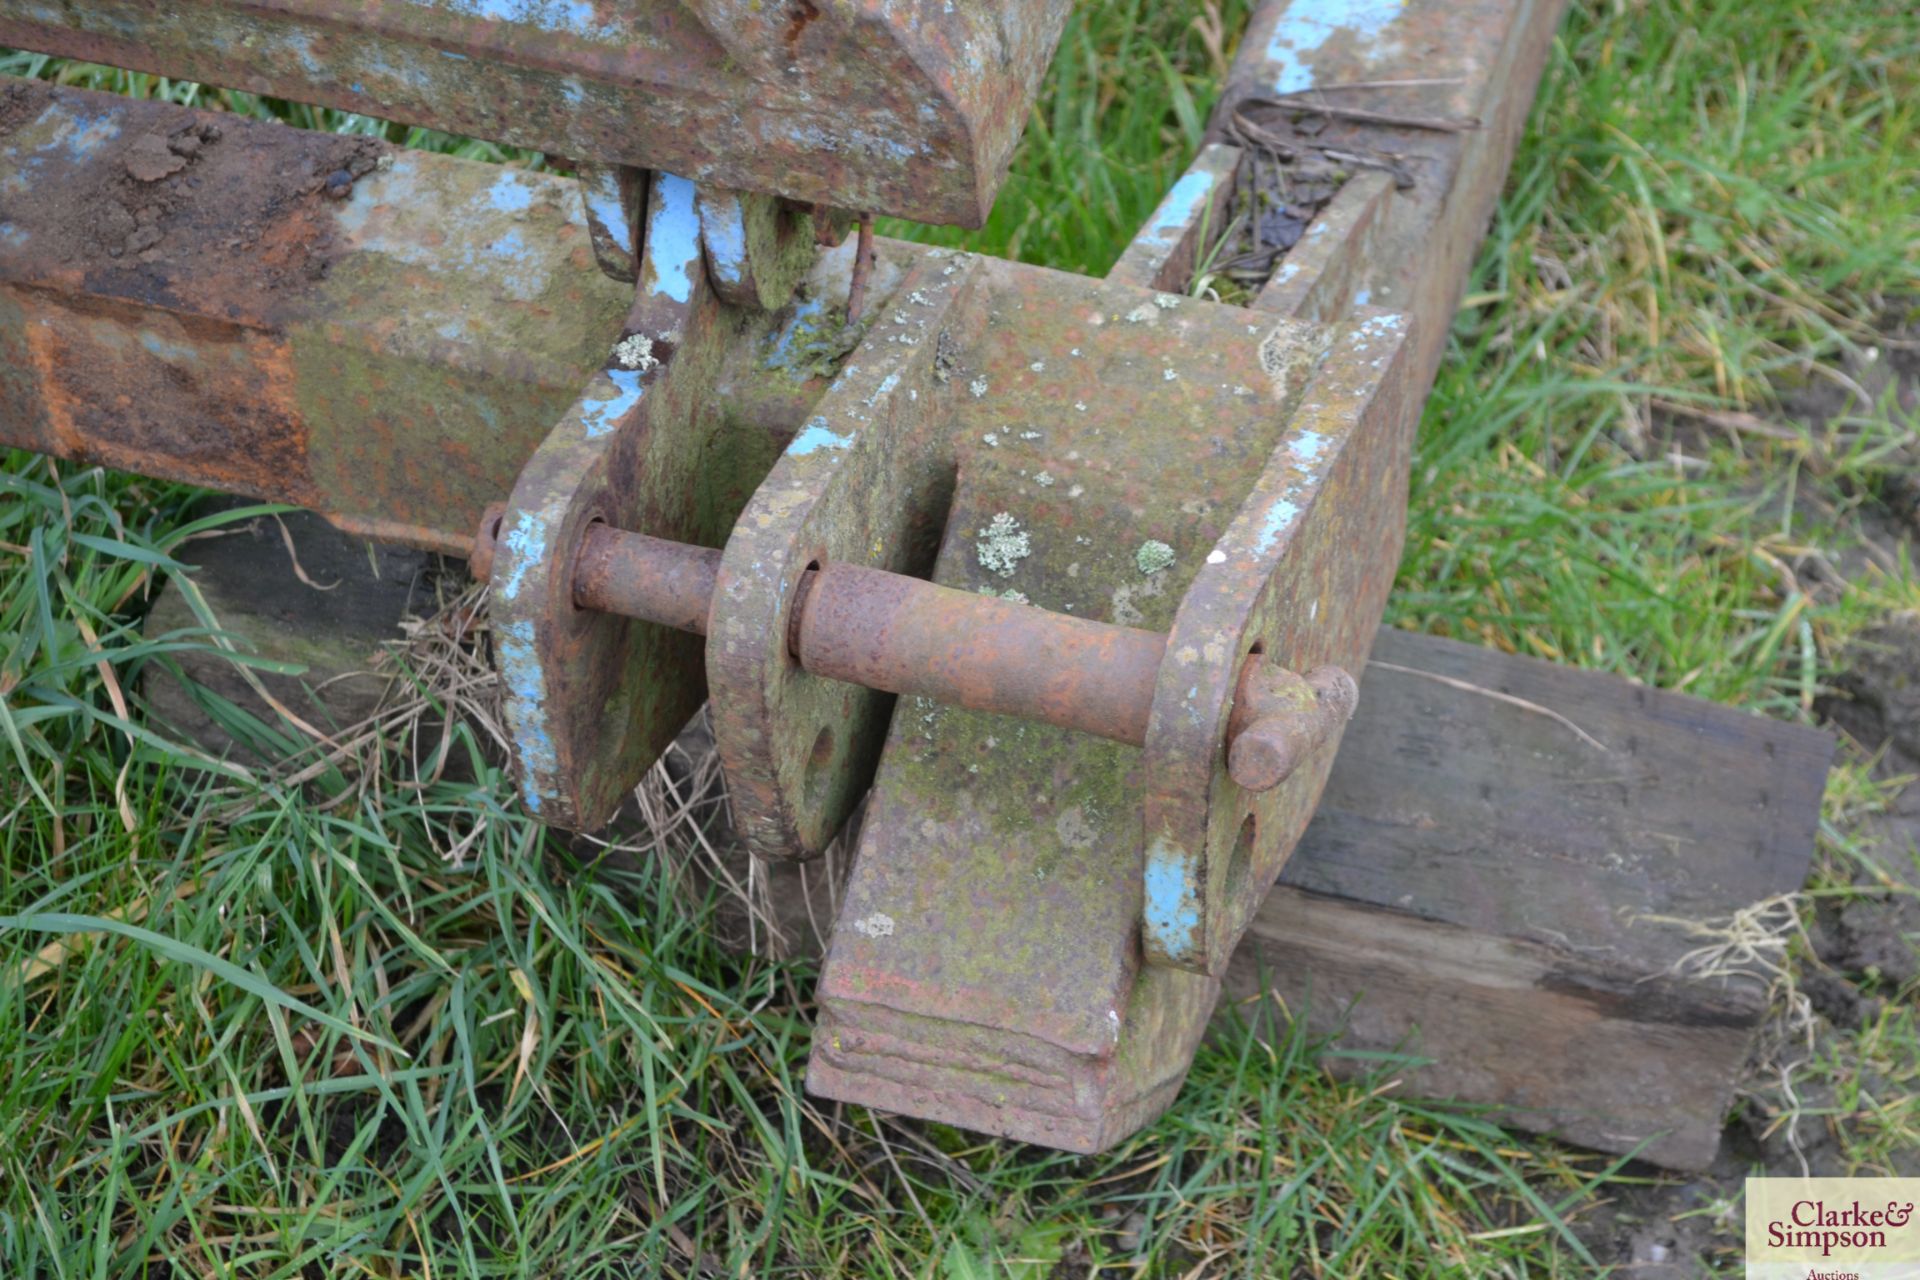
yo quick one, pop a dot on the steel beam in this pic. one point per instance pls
(379, 334)
(910, 108)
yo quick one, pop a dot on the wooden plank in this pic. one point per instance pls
(359, 593)
(1484, 887)
(1481, 886)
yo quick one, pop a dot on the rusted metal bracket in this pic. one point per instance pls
(1139, 464)
(919, 1011)
(592, 699)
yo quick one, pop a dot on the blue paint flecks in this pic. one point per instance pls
(673, 239)
(510, 195)
(1180, 208)
(509, 245)
(302, 45)
(12, 235)
(1363, 297)
(887, 384)
(1309, 24)
(598, 417)
(548, 15)
(726, 236)
(804, 314)
(817, 435)
(526, 705)
(1307, 445)
(526, 543)
(172, 352)
(600, 192)
(86, 134)
(1171, 913)
(474, 239)
(1280, 518)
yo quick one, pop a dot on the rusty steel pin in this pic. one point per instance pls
(1281, 717)
(905, 635)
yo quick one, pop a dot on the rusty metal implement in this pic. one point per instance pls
(1067, 580)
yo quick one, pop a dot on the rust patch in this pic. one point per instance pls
(114, 198)
(138, 399)
(802, 14)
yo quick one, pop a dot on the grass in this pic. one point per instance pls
(261, 1030)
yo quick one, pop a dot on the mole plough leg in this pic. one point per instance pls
(1070, 581)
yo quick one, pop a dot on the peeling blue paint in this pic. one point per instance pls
(171, 352)
(1307, 445)
(599, 417)
(726, 235)
(510, 195)
(1179, 209)
(380, 217)
(526, 543)
(1280, 518)
(600, 192)
(817, 435)
(1307, 25)
(85, 134)
(509, 246)
(887, 384)
(12, 235)
(804, 314)
(673, 239)
(526, 702)
(548, 15)
(1172, 912)
(302, 45)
